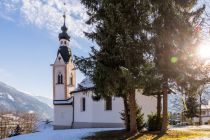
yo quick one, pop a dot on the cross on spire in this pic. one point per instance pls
(64, 14)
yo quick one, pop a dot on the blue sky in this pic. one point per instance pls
(29, 41)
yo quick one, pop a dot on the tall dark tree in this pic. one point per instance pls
(173, 26)
(153, 87)
(192, 107)
(121, 32)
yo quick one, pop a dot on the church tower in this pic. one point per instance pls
(64, 77)
(64, 81)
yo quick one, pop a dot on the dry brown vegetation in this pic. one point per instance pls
(9, 122)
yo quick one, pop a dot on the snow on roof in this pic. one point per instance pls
(85, 84)
(206, 106)
(63, 102)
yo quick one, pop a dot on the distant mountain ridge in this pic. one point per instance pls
(45, 100)
(12, 100)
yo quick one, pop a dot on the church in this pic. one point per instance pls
(74, 106)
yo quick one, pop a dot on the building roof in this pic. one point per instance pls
(86, 84)
(65, 53)
(203, 107)
(63, 102)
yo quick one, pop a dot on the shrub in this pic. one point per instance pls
(154, 124)
(139, 119)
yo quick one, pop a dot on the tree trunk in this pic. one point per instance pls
(200, 112)
(132, 106)
(158, 106)
(126, 111)
(165, 110)
(158, 119)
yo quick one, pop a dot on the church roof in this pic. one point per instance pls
(65, 53)
(86, 84)
(63, 102)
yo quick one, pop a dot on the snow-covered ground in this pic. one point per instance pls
(186, 128)
(47, 133)
(204, 138)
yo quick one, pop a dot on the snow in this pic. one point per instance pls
(11, 116)
(67, 134)
(70, 100)
(86, 83)
(186, 128)
(204, 138)
(30, 111)
(10, 97)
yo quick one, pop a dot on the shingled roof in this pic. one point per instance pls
(65, 53)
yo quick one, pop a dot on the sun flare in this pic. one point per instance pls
(204, 50)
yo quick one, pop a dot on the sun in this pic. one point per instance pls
(204, 51)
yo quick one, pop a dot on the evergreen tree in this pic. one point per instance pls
(152, 124)
(192, 107)
(121, 32)
(173, 35)
(153, 85)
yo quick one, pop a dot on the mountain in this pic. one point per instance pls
(45, 100)
(12, 100)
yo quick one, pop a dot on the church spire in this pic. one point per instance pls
(64, 28)
(64, 34)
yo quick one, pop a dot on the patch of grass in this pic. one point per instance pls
(124, 135)
(201, 130)
(171, 135)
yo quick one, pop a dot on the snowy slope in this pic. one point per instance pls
(45, 100)
(12, 100)
(68, 134)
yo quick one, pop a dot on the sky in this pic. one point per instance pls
(29, 41)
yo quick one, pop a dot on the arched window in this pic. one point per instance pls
(60, 78)
(71, 79)
(108, 103)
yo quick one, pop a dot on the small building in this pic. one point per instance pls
(205, 114)
(74, 107)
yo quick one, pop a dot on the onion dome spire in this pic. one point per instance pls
(64, 34)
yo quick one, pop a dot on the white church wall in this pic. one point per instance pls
(95, 110)
(79, 115)
(147, 103)
(63, 116)
(107, 116)
(95, 114)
